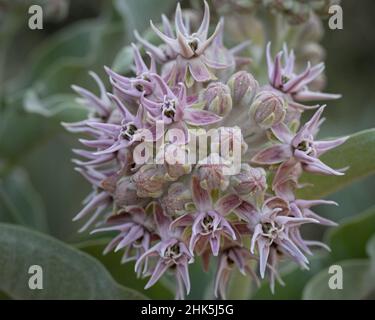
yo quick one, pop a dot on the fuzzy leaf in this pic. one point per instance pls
(20, 203)
(358, 153)
(67, 272)
(348, 241)
(358, 283)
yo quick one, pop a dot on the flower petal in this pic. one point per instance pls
(273, 155)
(200, 117)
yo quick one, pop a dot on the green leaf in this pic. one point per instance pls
(67, 272)
(123, 273)
(124, 60)
(348, 241)
(137, 13)
(358, 153)
(53, 105)
(20, 203)
(358, 283)
(370, 249)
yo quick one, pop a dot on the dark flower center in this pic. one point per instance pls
(169, 108)
(207, 223)
(139, 87)
(128, 130)
(193, 44)
(173, 252)
(271, 230)
(305, 146)
(284, 79)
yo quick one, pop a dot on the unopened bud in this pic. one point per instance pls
(176, 199)
(312, 52)
(243, 88)
(125, 193)
(217, 98)
(249, 181)
(268, 109)
(211, 173)
(149, 181)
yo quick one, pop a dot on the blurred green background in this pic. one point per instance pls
(38, 186)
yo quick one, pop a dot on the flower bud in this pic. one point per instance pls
(312, 52)
(211, 173)
(149, 181)
(249, 181)
(268, 109)
(125, 193)
(243, 87)
(176, 199)
(217, 98)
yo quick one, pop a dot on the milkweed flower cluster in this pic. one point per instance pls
(171, 194)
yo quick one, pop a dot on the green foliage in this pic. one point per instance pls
(358, 153)
(350, 238)
(28, 139)
(358, 283)
(67, 273)
(20, 203)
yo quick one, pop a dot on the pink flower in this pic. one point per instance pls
(284, 79)
(209, 221)
(185, 50)
(173, 109)
(270, 225)
(229, 259)
(299, 148)
(135, 227)
(132, 88)
(170, 253)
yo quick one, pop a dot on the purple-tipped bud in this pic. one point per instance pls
(249, 181)
(149, 180)
(268, 109)
(243, 88)
(217, 99)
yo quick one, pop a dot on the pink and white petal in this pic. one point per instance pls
(183, 270)
(307, 95)
(179, 22)
(263, 251)
(203, 28)
(199, 70)
(314, 165)
(159, 270)
(183, 221)
(245, 210)
(169, 41)
(161, 220)
(276, 79)
(200, 117)
(270, 64)
(282, 132)
(273, 155)
(215, 245)
(227, 204)
(200, 196)
(324, 146)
